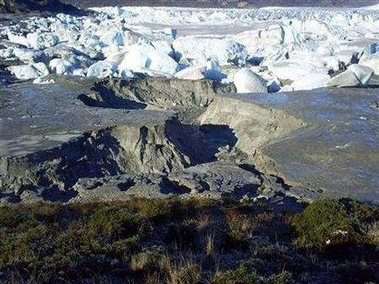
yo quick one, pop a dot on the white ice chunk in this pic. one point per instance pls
(140, 57)
(43, 81)
(298, 69)
(112, 37)
(199, 50)
(210, 70)
(371, 61)
(363, 73)
(192, 73)
(313, 81)
(61, 66)
(17, 38)
(102, 69)
(246, 81)
(41, 40)
(355, 75)
(29, 71)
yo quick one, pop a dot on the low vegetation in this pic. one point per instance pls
(188, 241)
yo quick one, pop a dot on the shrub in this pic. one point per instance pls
(117, 223)
(182, 235)
(156, 209)
(281, 278)
(182, 271)
(239, 276)
(322, 223)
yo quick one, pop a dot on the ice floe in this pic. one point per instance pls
(295, 49)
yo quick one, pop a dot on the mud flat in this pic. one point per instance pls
(82, 140)
(325, 139)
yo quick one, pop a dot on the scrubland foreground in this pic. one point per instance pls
(189, 241)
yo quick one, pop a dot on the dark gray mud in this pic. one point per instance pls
(83, 140)
(334, 150)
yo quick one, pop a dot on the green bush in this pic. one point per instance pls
(156, 209)
(239, 276)
(117, 223)
(324, 222)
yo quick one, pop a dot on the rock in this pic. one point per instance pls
(355, 75)
(246, 81)
(14, 6)
(174, 94)
(223, 178)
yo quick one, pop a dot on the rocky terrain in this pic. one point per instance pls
(133, 101)
(22, 6)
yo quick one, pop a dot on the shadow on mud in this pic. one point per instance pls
(202, 143)
(106, 98)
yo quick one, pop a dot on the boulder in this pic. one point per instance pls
(246, 81)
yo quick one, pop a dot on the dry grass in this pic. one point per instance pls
(187, 241)
(210, 244)
(185, 270)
